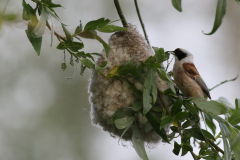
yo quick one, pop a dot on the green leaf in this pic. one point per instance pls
(137, 105)
(177, 106)
(191, 108)
(157, 108)
(237, 103)
(177, 148)
(64, 66)
(151, 64)
(156, 126)
(124, 122)
(27, 11)
(203, 149)
(84, 55)
(105, 45)
(235, 145)
(210, 106)
(67, 33)
(97, 54)
(186, 148)
(122, 112)
(169, 93)
(165, 120)
(87, 63)
(174, 129)
(220, 12)
(103, 64)
(138, 69)
(186, 124)
(225, 102)
(227, 150)
(138, 144)
(210, 123)
(238, 1)
(50, 4)
(177, 5)
(181, 116)
(88, 34)
(73, 46)
(171, 136)
(235, 117)
(135, 91)
(111, 28)
(149, 88)
(234, 141)
(126, 68)
(159, 54)
(78, 29)
(207, 134)
(232, 135)
(36, 42)
(99, 23)
(162, 74)
(125, 130)
(186, 137)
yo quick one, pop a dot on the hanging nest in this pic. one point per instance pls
(106, 96)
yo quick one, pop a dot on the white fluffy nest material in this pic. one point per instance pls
(106, 97)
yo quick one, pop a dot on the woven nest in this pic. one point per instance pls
(108, 96)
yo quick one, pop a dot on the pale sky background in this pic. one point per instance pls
(44, 116)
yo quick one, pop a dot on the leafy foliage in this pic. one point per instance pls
(182, 115)
(36, 28)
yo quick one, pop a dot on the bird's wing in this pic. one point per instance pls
(192, 72)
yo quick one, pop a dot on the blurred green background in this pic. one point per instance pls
(44, 115)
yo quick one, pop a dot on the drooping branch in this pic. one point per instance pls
(141, 21)
(215, 146)
(120, 13)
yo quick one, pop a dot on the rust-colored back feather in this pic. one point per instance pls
(192, 72)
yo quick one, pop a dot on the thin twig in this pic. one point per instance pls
(215, 146)
(56, 34)
(142, 24)
(164, 104)
(169, 64)
(223, 83)
(120, 13)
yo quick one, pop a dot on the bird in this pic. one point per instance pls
(186, 75)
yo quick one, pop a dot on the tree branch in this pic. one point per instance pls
(215, 146)
(142, 24)
(120, 13)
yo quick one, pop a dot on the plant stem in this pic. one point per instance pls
(120, 13)
(164, 104)
(56, 34)
(142, 24)
(215, 146)
(223, 83)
